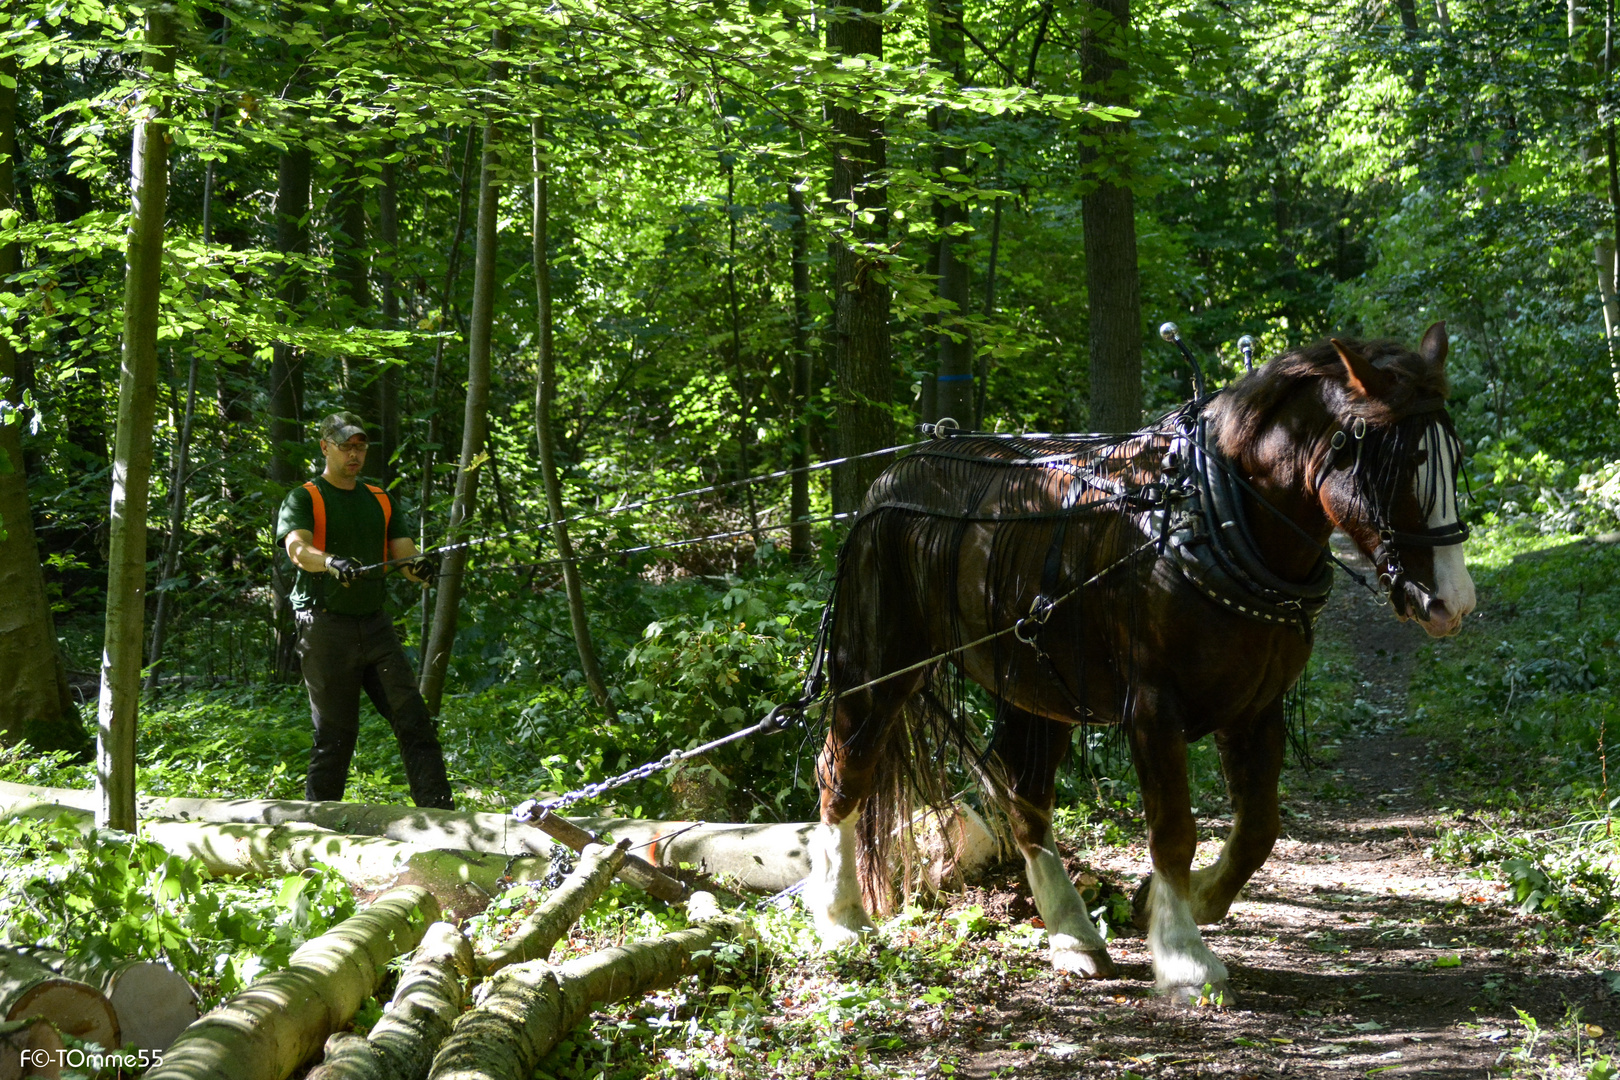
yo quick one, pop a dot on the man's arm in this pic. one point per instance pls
(403, 547)
(302, 551)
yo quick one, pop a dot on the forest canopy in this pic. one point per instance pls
(742, 238)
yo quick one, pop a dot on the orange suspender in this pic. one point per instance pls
(318, 504)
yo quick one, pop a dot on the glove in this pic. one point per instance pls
(346, 571)
(425, 567)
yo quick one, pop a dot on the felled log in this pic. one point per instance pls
(463, 883)
(153, 1002)
(530, 1007)
(534, 938)
(30, 988)
(425, 1005)
(274, 1026)
(636, 870)
(32, 1036)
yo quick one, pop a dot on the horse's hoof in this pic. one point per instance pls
(835, 936)
(1088, 963)
(1207, 996)
(1139, 903)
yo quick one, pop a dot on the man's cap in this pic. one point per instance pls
(340, 427)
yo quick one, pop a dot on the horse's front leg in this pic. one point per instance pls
(1030, 749)
(1183, 966)
(1252, 760)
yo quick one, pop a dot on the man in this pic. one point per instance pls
(331, 527)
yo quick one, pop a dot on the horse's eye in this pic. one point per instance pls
(1419, 457)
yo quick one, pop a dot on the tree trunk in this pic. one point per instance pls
(177, 525)
(545, 391)
(28, 987)
(954, 394)
(288, 454)
(349, 269)
(137, 396)
(274, 1026)
(387, 278)
(634, 869)
(429, 998)
(533, 940)
(799, 485)
(532, 1006)
(453, 565)
(862, 372)
(1108, 212)
(34, 700)
(1591, 51)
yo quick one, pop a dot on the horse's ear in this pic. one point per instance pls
(1435, 344)
(1364, 379)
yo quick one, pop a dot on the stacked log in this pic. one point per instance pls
(153, 1002)
(430, 996)
(530, 1007)
(29, 1047)
(30, 989)
(534, 938)
(274, 1026)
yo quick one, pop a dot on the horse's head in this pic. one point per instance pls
(1388, 475)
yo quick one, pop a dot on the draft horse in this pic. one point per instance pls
(1166, 581)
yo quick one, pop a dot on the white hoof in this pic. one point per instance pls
(1207, 996)
(839, 935)
(1070, 954)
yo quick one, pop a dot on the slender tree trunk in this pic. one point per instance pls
(744, 396)
(447, 308)
(954, 396)
(177, 527)
(862, 369)
(34, 700)
(475, 419)
(545, 391)
(287, 450)
(132, 464)
(982, 384)
(799, 485)
(1108, 216)
(349, 268)
(1596, 153)
(387, 270)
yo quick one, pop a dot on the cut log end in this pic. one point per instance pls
(34, 1040)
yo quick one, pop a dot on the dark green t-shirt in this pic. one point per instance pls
(354, 530)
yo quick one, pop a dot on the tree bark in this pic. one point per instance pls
(535, 937)
(799, 485)
(177, 524)
(268, 1030)
(532, 1006)
(429, 998)
(288, 454)
(387, 278)
(1596, 154)
(954, 395)
(349, 269)
(28, 987)
(862, 372)
(545, 393)
(453, 565)
(119, 702)
(1108, 216)
(34, 700)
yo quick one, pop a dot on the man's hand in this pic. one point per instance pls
(424, 568)
(347, 571)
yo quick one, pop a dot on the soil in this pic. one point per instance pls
(1352, 953)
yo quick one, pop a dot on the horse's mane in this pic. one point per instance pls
(1245, 408)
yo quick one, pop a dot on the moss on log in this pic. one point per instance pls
(534, 939)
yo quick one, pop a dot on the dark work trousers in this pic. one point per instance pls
(341, 655)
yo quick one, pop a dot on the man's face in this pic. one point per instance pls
(345, 459)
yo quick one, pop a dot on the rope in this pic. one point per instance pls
(642, 504)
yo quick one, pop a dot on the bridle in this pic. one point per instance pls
(1376, 477)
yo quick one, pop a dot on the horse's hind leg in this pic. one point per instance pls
(1183, 966)
(1030, 748)
(847, 771)
(1252, 760)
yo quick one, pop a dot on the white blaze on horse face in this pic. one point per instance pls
(832, 892)
(1436, 488)
(1074, 939)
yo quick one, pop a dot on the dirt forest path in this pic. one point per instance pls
(1351, 953)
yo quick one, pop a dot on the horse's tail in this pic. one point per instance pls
(913, 827)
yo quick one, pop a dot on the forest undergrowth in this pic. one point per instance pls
(1503, 733)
